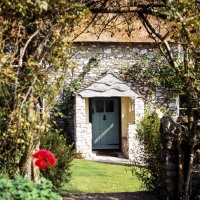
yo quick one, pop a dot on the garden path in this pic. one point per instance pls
(112, 196)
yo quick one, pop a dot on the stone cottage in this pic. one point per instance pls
(107, 109)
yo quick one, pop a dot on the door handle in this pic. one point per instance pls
(104, 117)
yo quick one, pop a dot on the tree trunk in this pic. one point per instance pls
(180, 165)
(189, 170)
(191, 121)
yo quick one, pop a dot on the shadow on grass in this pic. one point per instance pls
(70, 191)
(111, 196)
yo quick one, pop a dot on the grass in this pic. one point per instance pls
(94, 177)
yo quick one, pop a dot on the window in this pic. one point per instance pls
(109, 106)
(183, 106)
(99, 106)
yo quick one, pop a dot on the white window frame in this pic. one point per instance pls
(178, 105)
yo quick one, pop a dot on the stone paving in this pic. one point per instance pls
(119, 159)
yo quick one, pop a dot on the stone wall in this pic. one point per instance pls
(113, 58)
(83, 130)
(134, 147)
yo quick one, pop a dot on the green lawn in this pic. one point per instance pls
(94, 177)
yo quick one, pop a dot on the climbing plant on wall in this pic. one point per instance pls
(64, 108)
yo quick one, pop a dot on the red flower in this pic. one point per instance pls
(44, 158)
(41, 164)
(50, 158)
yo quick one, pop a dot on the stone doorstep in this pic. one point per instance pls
(109, 158)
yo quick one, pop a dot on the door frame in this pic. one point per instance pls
(119, 120)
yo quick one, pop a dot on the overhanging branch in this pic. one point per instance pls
(163, 40)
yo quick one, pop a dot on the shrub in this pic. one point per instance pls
(60, 173)
(148, 134)
(21, 188)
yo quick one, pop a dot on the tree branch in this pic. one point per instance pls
(149, 26)
(93, 18)
(27, 93)
(21, 61)
(25, 47)
(162, 39)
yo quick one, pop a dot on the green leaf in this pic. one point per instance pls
(3, 60)
(43, 5)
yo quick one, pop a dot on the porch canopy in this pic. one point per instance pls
(109, 86)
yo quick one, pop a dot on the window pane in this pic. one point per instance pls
(99, 106)
(109, 105)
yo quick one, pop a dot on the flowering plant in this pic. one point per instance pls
(44, 159)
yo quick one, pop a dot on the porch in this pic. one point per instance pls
(107, 114)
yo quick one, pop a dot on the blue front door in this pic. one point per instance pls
(105, 123)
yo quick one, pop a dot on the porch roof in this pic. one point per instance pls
(109, 86)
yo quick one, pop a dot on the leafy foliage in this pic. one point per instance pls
(34, 59)
(154, 75)
(60, 173)
(21, 188)
(149, 136)
(180, 21)
(64, 108)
